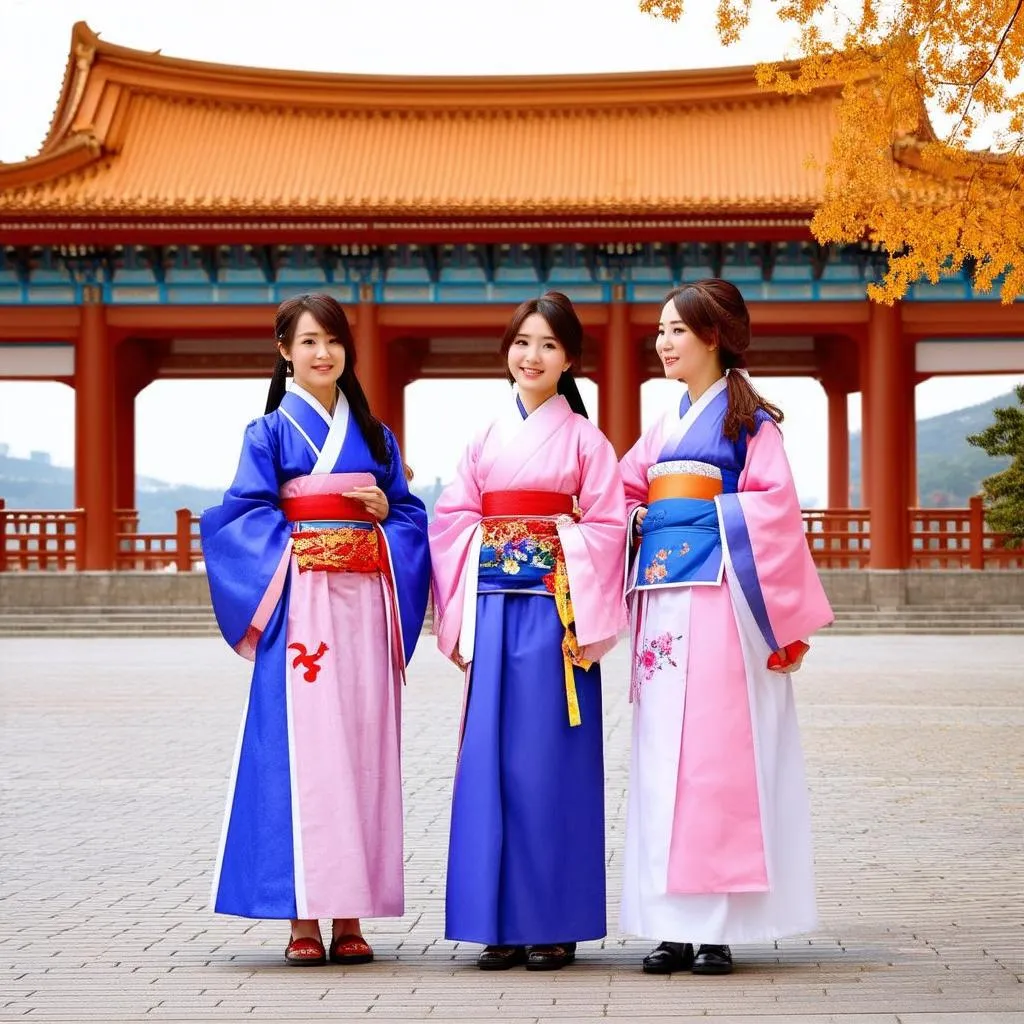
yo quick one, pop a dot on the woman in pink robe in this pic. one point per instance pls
(723, 593)
(527, 559)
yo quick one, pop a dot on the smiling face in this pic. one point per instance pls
(683, 355)
(317, 356)
(536, 359)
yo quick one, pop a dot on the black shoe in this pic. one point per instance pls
(713, 960)
(551, 957)
(668, 958)
(501, 958)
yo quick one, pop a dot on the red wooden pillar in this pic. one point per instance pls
(94, 435)
(838, 448)
(865, 425)
(371, 355)
(135, 368)
(889, 388)
(396, 407)
(124, 445)
(619, 394)
(912, 495)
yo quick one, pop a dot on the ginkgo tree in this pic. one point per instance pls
(928, 157)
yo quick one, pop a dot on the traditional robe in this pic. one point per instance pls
(313, 825)
(718, 838)
(526, 852)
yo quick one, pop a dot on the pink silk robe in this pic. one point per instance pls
(552, 450)
(718, 845)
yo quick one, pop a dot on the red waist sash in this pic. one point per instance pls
(520, 513)
(526, 503)
(311, 507)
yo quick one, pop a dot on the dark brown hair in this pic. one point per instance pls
(331, 317)
(559, 315)
(715, 311)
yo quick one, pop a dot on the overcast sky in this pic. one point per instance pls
(392, 37)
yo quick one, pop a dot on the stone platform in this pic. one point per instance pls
(113, 757)
(846, 588)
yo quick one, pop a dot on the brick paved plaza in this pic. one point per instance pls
(113, 756)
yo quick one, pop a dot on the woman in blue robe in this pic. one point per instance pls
(318, 569)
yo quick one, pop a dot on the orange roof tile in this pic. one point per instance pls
(143, 135)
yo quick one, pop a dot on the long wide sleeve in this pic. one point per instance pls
(766, 549)
(595, 551)
(633, 472)
(246, 542)
(405, 529)
(457, 517)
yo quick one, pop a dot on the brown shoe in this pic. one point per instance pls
(305, 952)
(552, 957)
(501, 958)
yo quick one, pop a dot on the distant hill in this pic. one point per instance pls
(36, 483)
(949, 470)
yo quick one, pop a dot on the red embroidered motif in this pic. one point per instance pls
(308, 661)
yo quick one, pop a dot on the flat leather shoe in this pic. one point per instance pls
(669, 957)
(305, 952)
(713, 960)
(351, 950)
(501, 958)
(551, 957)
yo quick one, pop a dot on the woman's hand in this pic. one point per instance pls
(638, 522)
(788, 659)
(373, 499)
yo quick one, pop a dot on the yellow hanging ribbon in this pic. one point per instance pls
(570, 645)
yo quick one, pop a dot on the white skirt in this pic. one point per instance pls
(648, 909)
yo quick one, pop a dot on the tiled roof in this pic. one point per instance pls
(145, 135)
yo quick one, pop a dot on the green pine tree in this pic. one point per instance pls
(1004, 492)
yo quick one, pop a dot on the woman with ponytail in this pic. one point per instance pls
(723, 595)
(528, 562)
(318, 567)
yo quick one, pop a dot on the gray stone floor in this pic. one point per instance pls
(113, 756)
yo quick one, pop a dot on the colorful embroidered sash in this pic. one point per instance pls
(520, 543)
(343, 537)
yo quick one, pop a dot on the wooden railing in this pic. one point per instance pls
(43, 540)
(940, 538)
(134, 550)
(957, 538)
(40, 540)
(839, 538)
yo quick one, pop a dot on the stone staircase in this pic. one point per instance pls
(114, 620)
(198, 621)
(940, 619)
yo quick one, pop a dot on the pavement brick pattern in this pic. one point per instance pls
(113, 757)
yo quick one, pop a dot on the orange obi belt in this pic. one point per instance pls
(683, 479)
(338, 546)
(520, 532)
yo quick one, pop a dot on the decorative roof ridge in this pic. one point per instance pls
(139, 68)
(72, 153)
(82, 54)
(470, 111)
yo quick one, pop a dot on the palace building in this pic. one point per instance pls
(174, 203)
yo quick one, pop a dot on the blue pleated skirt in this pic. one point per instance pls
(526, 853)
